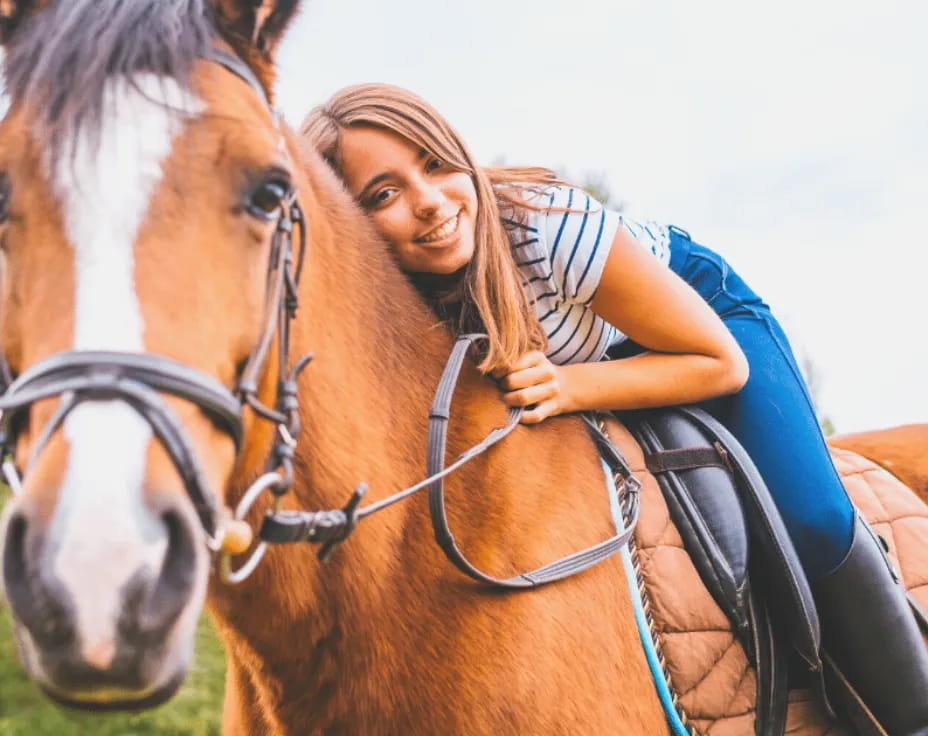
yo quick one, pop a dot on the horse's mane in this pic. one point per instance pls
(63, 57)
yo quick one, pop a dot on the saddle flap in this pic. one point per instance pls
(703, 503)
(783, 577)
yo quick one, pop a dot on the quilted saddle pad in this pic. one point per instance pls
(704, 664)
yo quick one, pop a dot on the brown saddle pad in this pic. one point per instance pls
(705, 665)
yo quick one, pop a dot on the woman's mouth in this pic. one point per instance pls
(447, 228)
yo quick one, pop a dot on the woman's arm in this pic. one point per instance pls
(694, 355)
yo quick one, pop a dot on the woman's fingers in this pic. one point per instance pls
(531, 395)
(539, 412)
(530, 359)
(535, 357)
(527, 377)
(532, 381)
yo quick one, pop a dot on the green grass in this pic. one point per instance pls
(195, 711)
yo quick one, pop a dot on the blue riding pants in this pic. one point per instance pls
(772, 416)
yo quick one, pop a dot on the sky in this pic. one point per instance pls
(791, 137)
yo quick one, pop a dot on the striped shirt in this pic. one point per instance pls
(561, 256)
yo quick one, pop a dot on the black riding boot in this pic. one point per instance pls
(870, 633)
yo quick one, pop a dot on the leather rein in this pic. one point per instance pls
(139, 379)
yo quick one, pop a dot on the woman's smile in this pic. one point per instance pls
(448, 228)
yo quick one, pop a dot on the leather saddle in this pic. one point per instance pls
(737, 541)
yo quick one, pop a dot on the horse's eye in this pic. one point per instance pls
(266, 199)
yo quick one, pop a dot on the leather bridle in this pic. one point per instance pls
(139, 379)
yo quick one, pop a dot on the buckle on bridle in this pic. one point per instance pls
(330, 528)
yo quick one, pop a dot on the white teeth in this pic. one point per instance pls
(442, 232)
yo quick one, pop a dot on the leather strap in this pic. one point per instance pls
(558, 570)
(334, 525)
(239, 68)
(89, 369)
(855, 710)
(689, 458)
(137, 379)
(772, 669)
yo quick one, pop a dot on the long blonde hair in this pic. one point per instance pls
(490, 296)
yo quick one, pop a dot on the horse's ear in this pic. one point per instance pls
(258, 24)
(12, 13)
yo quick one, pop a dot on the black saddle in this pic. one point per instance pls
(738, 543)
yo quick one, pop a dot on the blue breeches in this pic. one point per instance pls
(772, 416)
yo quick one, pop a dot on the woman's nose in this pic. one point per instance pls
(428, 200)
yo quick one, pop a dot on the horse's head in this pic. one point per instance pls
(142, 179)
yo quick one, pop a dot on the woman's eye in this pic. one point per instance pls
(433, 163)
(381, 197)
(266, 200)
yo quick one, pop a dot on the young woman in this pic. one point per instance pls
(555, 279)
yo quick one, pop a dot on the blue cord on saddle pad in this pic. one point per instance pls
(644, 633)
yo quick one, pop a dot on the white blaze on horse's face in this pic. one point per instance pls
(102, 532)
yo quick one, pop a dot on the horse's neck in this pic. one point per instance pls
(378, 354)
(389, 618)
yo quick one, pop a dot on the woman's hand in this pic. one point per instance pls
(535, 382)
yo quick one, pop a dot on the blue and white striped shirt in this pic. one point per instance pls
(561, 256)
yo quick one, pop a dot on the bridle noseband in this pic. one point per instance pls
(139, 379)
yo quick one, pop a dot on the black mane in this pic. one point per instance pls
(62, 58)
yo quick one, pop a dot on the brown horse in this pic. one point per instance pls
(143, 184)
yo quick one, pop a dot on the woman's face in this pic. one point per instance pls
(425, 209)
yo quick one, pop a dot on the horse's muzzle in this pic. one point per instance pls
(136, 657)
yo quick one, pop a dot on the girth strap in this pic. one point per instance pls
(562, 568)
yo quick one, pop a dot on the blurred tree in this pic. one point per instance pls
(597, 184)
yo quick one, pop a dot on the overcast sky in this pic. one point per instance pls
(789, 136)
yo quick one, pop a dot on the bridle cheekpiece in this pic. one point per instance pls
(139, 379)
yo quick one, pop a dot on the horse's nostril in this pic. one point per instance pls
(40, 606)
(178, 574)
